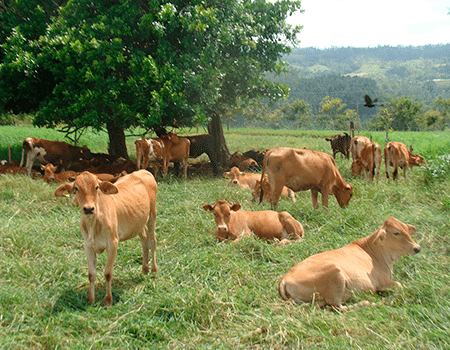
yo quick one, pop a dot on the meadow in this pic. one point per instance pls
(211, 295)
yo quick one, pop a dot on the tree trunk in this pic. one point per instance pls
(221, 150)
(117, 145)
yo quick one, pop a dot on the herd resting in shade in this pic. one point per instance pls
(117, 201)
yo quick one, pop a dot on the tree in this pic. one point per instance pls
(443, 106)
(404, 112)
(331, 112)
(299, 112)
(118, 64)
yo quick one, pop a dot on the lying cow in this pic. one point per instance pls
(51, 176)
(302, 170)
(242, 162)
(247, 181)
(340, 143)
(264, 183)
(357, 143)
(56, 152)
(397, 155)
(111, 213)
(232, 223)
(331, 277)
(369, 161)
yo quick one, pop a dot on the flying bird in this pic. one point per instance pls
(369, 102)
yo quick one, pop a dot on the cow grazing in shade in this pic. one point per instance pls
(204, 144)
(58, 153)
(357, 143)
(397, 155)
(111, 213)
(247, 181)
(331, 277)
(242, 162)
(369, 161)
(264, 183)
(302, 170)
(340, 143)
(233, 223)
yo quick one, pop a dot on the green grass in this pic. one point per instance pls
(210, 295)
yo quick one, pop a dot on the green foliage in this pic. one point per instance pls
(222, 295)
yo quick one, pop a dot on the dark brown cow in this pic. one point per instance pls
(305, 169)
(58, 153)
(203, 144)
(340, 143)
(396, 154)
(242, 162)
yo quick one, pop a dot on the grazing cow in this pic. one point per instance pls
(204, 144)
(111, 213)
(302, 170)
(242, 162)
(331, 277)
(256, 193)
(340, 143)
(369, 161)
(247, 181)
(51, 176)
(357, 143)
(55, 152)
(232, 223)
(396, 154)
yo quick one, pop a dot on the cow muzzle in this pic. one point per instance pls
(88, 210)
(222, 228)
(417, 249)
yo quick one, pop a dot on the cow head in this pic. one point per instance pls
(222, 214)
(343, 194)
(233, 175)
(85, 153)
(357, 167)
(86, 189)
(394, 238)
(264, 184)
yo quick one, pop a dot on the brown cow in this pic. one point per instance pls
(242, 162)
(51, 176)
(369, 161)
(232, 223)
(357, 143)
(331, 277)
(247, 181)
(56, 152)
(111, 213)
(256, 193)
(302, 170)
(340, 143)
(396, 154)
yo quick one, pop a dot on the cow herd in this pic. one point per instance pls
(120, 204)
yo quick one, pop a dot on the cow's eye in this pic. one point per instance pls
(97, 187)
(396, 233)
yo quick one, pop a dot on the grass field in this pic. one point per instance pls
(210, 295)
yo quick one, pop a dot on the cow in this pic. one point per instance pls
(51, 176)
(149, 150)
(242, 162)
(204, 144)
(58, 153)
(302, 170)
(233, 223)
(247, 181)
(111, 213)
(256, 193)
(331, 277)
(396, 154)
(340, 143)
(369, 161)
(357, 143)
(256, 155)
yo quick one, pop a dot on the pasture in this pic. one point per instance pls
(211, 295)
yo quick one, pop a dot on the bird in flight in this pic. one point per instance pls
(369, 102)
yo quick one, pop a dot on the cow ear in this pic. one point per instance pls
(412, 230)
(59, 192)
(236, 207)
(226, 174)
(108, 188)
(208, 207)
(381, 236)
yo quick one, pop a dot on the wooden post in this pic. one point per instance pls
(9, 155)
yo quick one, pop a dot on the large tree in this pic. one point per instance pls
(120, 64)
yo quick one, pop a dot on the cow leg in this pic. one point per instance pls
(151, 240)
(111, 257)
(404, 172)
(31, 157)
(315, 198)
(325, 196)
(92, 267)
(185, 167)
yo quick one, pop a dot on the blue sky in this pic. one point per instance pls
(360, 23)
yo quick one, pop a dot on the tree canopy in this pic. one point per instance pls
(120, 64)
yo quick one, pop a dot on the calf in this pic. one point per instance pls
(369, 161)
(396, 154)
(357, 143)
(264, 183)
(247, 181)
(55, 152)
(111, 213)
(234, 224)
(340, 143)
(331, 277)
(305, 169)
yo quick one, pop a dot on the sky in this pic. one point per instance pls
(360, 23)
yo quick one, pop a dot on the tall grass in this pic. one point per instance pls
(221, 295)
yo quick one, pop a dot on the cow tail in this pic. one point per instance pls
(266, 156)
(386, 161)
(21, 158)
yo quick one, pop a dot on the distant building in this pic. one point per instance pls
(442, 82)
